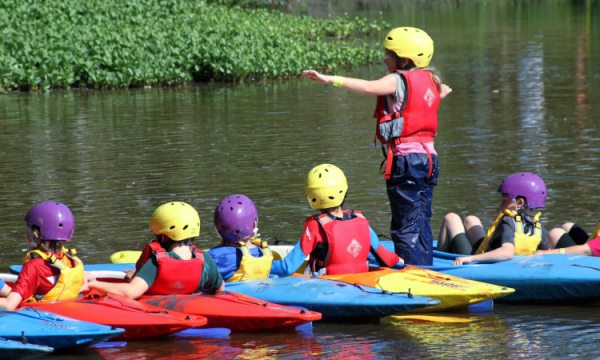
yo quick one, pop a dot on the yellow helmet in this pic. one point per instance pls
(325, 186)
(410, 43)
(175, 219)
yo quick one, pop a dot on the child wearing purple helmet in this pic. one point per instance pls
(516, 231)
(51, 272)
(242, 255)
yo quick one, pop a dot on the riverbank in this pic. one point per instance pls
(98, 44)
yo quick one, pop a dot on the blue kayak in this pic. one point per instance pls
(10, 349)
(536, 279)
(32, 326)
(335, 300)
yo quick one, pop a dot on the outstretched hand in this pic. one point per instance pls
(315, 76)
(445, 90)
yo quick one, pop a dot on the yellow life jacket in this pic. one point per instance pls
(253, 268)
(69, 281)
(597, 231)
(524, 244)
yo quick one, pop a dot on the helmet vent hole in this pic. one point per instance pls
(60, 225)
(313, 200)
(172, 227)
(231, 208)
(390, 38)
(421, 54)
(331, 197)
(185, 227)
(237, 231)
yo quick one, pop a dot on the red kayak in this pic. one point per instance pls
(234, 311)
(139, 320)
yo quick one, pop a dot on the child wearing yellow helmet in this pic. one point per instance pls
(406, 113)
(170, 264)
(337, 241)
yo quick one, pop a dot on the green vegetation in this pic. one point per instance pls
(134, 43)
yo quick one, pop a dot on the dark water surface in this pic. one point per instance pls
(526, 80)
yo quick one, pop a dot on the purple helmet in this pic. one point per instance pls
(527, 185)
(55, 220)
(235, 218)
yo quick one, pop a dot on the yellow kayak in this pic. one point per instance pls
(125, 257)
(452, 291)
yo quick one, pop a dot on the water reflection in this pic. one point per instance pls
(523, 75)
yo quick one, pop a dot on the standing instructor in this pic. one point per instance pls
(407, 109)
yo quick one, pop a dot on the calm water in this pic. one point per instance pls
(525, 75)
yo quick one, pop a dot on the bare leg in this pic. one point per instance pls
(451, 225)
(555, 234)
(474, 229)
(567, 226)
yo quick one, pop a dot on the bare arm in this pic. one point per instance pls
(384, 86)
(505, 252)
(11, 301)
(583, 249)
(132, 290)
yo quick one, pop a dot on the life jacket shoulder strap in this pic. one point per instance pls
(490, 232)
(323, 219)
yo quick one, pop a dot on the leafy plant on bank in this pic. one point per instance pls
(134, 43)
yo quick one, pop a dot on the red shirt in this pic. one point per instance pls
(33, 278)
(594, 245)
(312, 235)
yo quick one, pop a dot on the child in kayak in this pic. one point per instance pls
(51, 272)
(516, 231)
(571, 238)
(337, 241)
(242, 255)
(170, 264)
(407, 109)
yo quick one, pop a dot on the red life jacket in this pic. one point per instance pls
(175, 276)
(416, 121)
(349, 243)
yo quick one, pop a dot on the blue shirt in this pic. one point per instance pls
(228, 258)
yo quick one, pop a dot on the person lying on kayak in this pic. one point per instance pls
(571, 238)
(242, 255)
(51, 272)
(516, 231)
(570, 234)
(170, 264)
(337, 241)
